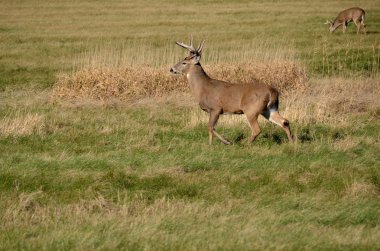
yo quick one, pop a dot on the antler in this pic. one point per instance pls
(201, 46)
(191, 47)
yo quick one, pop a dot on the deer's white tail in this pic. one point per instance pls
(273, 99)
(273, 115)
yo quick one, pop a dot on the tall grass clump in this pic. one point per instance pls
(121, 83)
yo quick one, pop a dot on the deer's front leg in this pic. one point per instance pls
(344, 27)
(214, 116)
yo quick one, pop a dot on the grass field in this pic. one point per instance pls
(86, 166)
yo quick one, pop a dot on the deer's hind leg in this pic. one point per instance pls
(363, 25)
(252, 120)
(275, 117)
(358, 25)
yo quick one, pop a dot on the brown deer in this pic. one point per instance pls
(355, 14)
(217, 97)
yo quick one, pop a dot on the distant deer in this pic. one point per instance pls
(355, 14)
(217, 97)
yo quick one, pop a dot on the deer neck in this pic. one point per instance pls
(198, 80)
(336, 24)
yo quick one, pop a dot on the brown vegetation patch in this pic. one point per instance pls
(142, 81)
(332, 100)
(18, 124)
(121, 83)
(361, 189)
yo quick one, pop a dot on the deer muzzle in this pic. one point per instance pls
(172, 70)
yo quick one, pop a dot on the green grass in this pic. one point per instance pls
(129, 177)
(86, 175)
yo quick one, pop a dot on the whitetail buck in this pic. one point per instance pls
(355, 14)
(218, 97)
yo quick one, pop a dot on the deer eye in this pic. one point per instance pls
(183, 63)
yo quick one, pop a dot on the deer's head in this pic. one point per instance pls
(194, 57)
(330, 24)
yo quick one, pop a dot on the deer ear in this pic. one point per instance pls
(195, 59)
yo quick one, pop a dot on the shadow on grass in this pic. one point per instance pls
(373, 32)
(305, 136)
(238, 138)
(276, 138)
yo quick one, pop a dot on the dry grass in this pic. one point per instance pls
(303, 101)
(361, 189)
(120, 83)
(142, 81)
(179, 223)
(19, 124)
(332, 100)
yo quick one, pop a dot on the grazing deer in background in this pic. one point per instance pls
(353, 14)
(217, 97)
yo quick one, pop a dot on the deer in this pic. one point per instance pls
(217, 97)
(354, 14)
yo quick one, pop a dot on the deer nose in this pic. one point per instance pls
(172, 70)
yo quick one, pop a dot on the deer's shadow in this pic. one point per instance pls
(373, 32)
(277, 139)
(240, 137)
